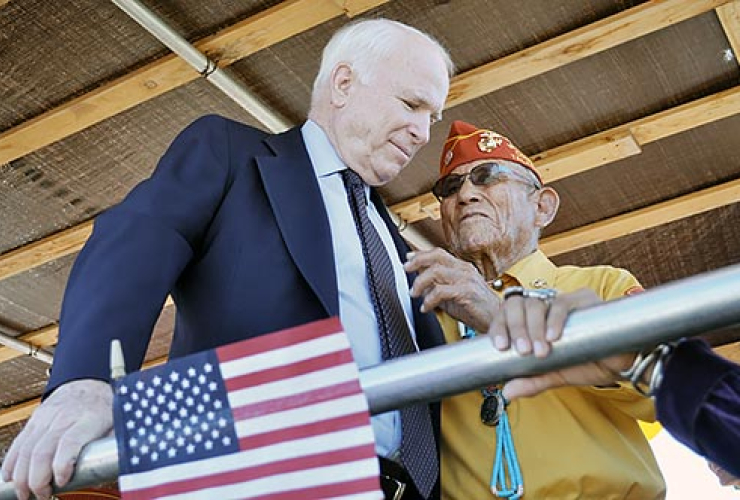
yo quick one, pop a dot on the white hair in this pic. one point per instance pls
(366, 44)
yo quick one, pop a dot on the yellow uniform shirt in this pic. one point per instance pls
(572, 442)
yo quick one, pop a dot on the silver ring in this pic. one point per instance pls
(546, 295)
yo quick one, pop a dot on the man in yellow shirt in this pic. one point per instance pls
(571, 442)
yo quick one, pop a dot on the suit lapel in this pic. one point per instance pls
(291, 187)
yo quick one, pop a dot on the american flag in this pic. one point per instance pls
(278, 416)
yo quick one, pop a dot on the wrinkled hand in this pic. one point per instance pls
(526, 324)
(453, 285)
(77, 413)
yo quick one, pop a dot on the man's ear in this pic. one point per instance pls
(548, 202)
(342, 79)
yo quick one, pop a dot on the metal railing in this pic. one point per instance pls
(679, 309)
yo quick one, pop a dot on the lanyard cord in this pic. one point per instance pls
(506, 477)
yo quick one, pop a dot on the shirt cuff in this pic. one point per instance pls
(691, 372)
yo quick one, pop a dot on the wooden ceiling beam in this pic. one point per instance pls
(605, 147)
(226, 47)
(18, 412)
(557, 163)
(646, 218)
(289, 18)
(729, 17)
(575, 45)
(353, 8)
(583, 155)
(44, 337)
(44, 250)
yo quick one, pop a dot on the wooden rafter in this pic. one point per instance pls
(43, 337)
(570, 47)
(587, 153)
(294, 16)
(19, 412)
(729, 16)
(605, 147)
(226, 47)
(44, 250)
(639, 220)
(352, 8)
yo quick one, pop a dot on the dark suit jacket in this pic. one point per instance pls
(233, 225)
(699, 403)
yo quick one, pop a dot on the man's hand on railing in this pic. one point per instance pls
(77, 413)
(523, 323)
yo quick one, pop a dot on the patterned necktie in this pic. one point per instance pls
(418, 451)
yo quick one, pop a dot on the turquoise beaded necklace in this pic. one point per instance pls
(506, 477)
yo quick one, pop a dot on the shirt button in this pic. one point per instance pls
(497, 284)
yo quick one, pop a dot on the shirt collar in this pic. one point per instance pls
(534, 271)
(323, 156)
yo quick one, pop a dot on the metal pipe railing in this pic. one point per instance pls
(207, 68)
(683, 308)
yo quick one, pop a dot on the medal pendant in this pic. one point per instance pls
(491, 407)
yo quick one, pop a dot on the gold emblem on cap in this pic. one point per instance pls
(448, 157)
(489, 141)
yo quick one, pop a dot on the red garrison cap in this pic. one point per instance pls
(467, 143)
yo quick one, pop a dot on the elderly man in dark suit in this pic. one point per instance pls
(251, 233)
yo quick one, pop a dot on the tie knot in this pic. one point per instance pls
(352, 178)
(354, 185)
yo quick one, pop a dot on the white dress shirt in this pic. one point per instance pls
(355, 306)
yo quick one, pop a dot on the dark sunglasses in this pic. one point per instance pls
(482, 175)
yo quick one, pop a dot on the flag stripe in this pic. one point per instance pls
(368, 484)
(292, 386)
(282, 451)
(299, 416)
(259, 440)
(248, 474)
(296, 401)
(305, 350)
(289, 482)
(287, 337)
(302, 367)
